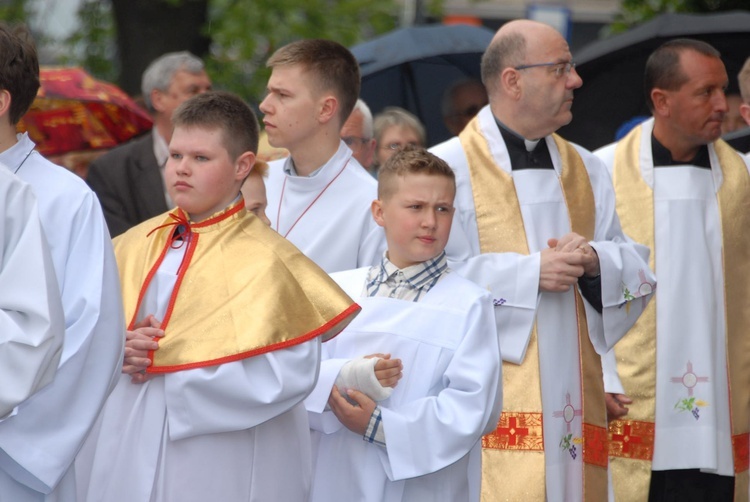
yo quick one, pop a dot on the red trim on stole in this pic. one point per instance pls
(516, 431)
(631, 439)
(741, 450)
(595, 445)
(261, 350)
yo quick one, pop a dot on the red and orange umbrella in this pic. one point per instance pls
(74, 111)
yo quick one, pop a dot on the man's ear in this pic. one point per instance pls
(510, 81)
(157, 100)
(5, 101)
(329, 107)
(660, 101)
(377, 212)
(244, 164)
(745, 112)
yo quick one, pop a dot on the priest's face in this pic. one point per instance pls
(416, 217)
(547, 91)
(696, 110)
(202, 178)
(291, 108)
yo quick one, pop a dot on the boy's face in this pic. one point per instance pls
(202, 178)
(254, 192)
(416, 217)
(290, 107)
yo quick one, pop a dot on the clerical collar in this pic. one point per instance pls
(525, 153)
(663, 157)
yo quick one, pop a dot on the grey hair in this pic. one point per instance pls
(393, 115)
(367, 127)
(161, 71)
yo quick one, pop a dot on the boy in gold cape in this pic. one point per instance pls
(225, 322)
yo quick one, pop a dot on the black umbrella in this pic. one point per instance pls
(612, 69)
(412, 67)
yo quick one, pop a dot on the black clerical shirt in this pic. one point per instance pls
(663, 157)
(524, 155)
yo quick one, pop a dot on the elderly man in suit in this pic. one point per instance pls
(129, 179)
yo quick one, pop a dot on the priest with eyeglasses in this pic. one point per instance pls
(536, 224)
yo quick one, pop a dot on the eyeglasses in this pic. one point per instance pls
(560, 68)
(354, 141)
(397, 146)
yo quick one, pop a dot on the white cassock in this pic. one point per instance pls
(31, 318)
(448, 397)
(39, 444)
(327, 215)
(690, 324)
(514, 282)
(233, 432)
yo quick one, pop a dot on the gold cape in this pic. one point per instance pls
(631, 446)
(242, 290)
(517, 445)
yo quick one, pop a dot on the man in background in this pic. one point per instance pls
(129, 179)
(357, 133)
(740, 139)
(461, 102)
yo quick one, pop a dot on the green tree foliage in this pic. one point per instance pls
(15, 11)
(92, 46)
(246, 32)
(634, 12)
(243, 34)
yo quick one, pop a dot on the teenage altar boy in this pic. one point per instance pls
(318, 197)
(211, 407)
(406, 392)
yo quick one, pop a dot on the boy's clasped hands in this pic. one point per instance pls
(356, 417)
(138, 343)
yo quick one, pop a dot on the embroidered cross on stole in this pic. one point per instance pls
(632, 440)
(517, 445)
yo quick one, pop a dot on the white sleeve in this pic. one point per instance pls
(627, 282)
(612, 383)
(31, 317)
(242, 394)
(452, 421)
(513, 280)
(43, 438)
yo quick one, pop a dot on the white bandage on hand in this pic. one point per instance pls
(359, 374)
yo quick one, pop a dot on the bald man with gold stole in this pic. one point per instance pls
(537, 225)
(686, 194)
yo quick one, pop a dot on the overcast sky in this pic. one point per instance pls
(57, 18)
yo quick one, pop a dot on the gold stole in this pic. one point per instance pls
(632, 439)
(517, 445)
(242, 290)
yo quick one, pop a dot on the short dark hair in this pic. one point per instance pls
(224, 111)
(508, 50)
(333, 67)
(663, 68)
(411, 160)
(20, 69)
